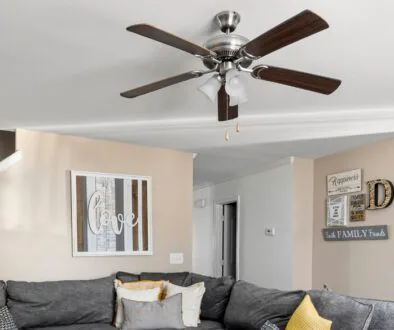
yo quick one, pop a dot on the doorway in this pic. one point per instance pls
(227, 238)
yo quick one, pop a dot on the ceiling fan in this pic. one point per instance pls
(226, 55)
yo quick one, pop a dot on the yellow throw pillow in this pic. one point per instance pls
(306, 317)
(140, 285)
(143, 285)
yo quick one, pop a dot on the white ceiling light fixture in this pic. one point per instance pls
(211, 88)
(227, 87)
(235, 88)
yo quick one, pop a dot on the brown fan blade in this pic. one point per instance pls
(169, 39)
(225, 112)
(160, 84)
(297, 79)
(294, 29)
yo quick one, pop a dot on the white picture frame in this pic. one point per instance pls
(344, 182)
(337, 211)
(104, 208)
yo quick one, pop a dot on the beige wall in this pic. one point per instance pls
(35, 206)
(363, 268)
(302, 223)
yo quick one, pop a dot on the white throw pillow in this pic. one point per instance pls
(136, 295)
(191, 301)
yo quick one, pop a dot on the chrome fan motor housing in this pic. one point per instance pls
(226, 46)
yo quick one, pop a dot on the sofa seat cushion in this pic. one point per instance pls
(251, 306)
(44, 304)
(344, 312)
(205, 325)
(90, 326)
(210, 325)
(174, 278)
(216, 297)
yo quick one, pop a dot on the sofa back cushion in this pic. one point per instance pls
(344, 312)
(3, 294)
(383, 313)
(174, 278)
(216, 297)
(35, 304)
(127, 277)
(251, 306)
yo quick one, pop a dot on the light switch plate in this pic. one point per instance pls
(269, 231)
(176, 258)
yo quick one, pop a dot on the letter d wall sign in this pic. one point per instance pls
(375, 202)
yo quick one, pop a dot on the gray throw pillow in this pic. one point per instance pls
(6, 320)
(251, 306)
(344, 312)
(140, 315)
(216, 297)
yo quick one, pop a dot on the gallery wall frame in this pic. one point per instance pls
(344, 182)
(337, 211)
(357, 207)
(111, 214)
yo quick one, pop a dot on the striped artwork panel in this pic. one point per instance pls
(111, 214)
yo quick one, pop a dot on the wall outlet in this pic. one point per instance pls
(176, 258)
(269, 231)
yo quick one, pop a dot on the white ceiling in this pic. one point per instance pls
(218, 165)
(63, 64)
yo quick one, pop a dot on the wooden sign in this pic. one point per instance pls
(357, 207)
(365, 233)
(344, 183)
(111, 214)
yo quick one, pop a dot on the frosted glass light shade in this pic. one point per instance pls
(211, 88)
(235, 88)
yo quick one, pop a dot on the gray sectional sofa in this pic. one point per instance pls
(89, 305)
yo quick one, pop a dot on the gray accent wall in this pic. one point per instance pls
(266, 200)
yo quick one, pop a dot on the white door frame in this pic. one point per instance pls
(217, 228)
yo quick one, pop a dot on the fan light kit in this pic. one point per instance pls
(228, 55)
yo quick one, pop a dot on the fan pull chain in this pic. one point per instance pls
(227, 135)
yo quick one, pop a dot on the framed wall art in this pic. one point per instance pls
(344, 182)
(337, 211)
(111, 214)
(357, 204)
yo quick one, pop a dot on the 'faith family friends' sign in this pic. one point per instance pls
(363, 233)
